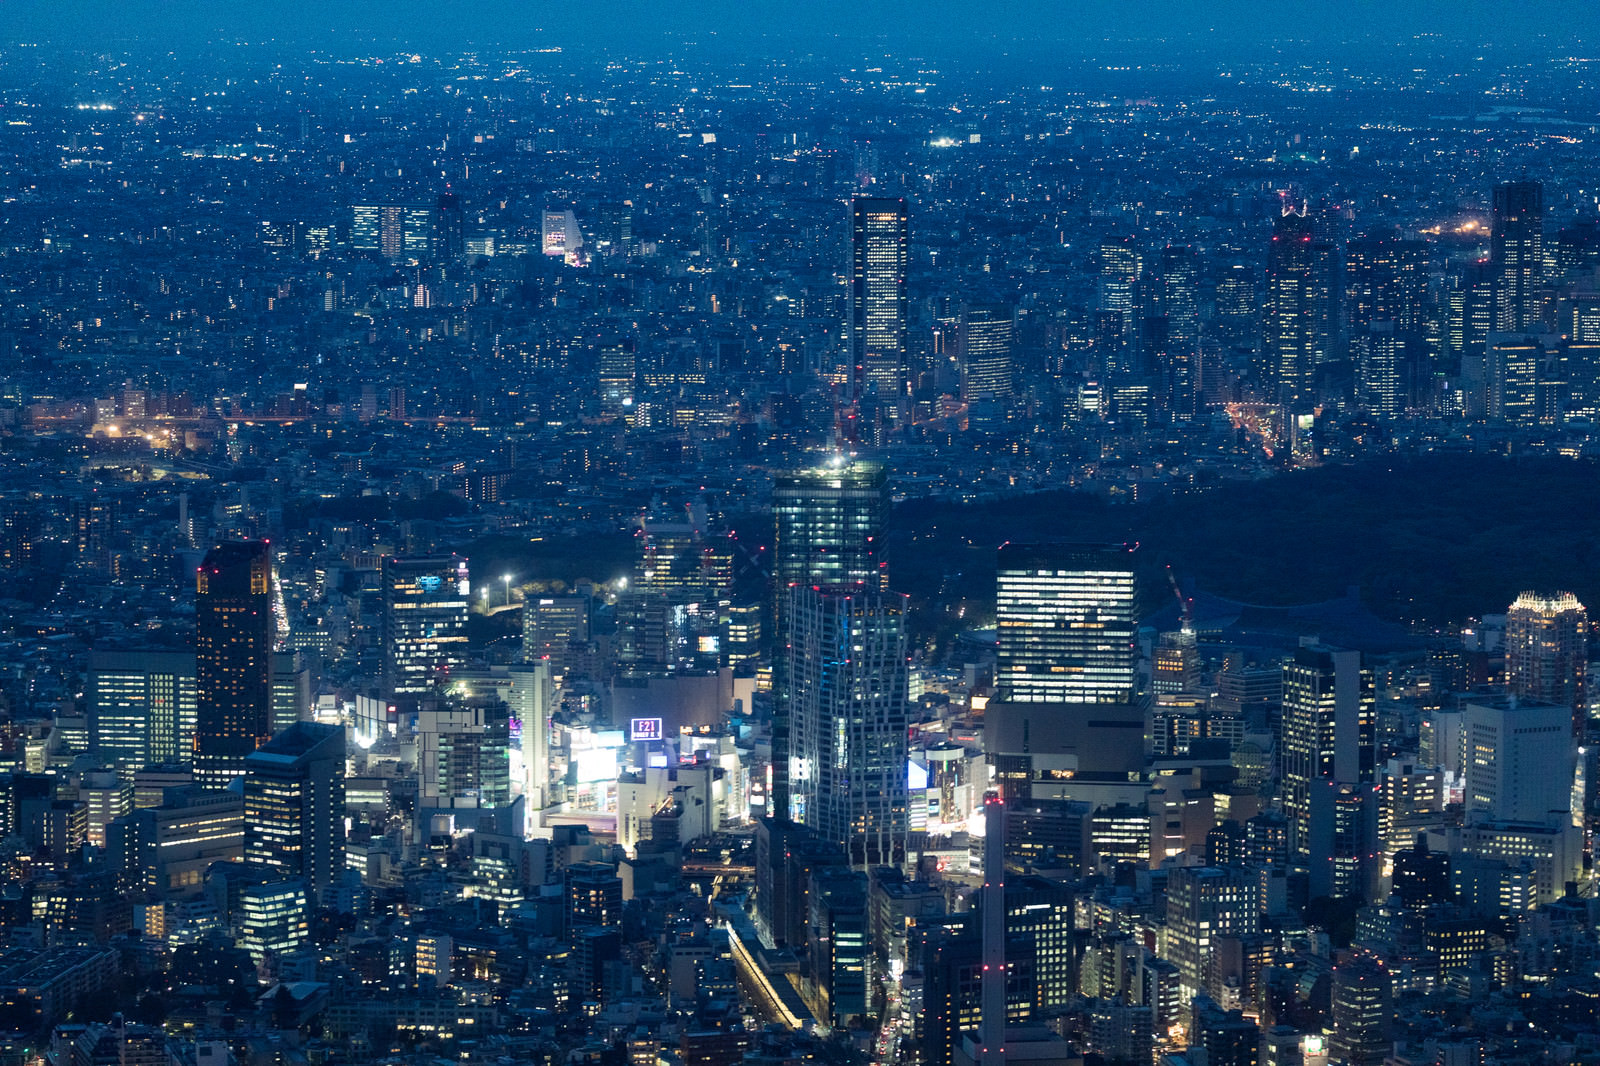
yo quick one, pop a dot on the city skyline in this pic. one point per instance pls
(740, 535)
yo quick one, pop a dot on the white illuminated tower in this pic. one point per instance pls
(849, 681)
(1547, 652)
(878, 296)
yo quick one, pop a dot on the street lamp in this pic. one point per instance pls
(507, 580)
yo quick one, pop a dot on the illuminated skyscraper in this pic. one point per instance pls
(1519, 758)
(1176, 299)
(1066, 617)
(878, 296)
(424, 622)
(1547, 652)
(848, 705)
(294, 804)
(1067, 705)
(986, 353)
(449, 228)
(234, 630)
(141, 707)
(1329, 733)
(830, 523)
(1363, 1011)
(1292, 311)
(829, 530)
(1517, 255)
(1204, 903)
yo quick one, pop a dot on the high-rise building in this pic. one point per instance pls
(1329, 733)
(463, 755)
(1514, 365)
(1067, 704)
(878, 296)
(1519, 760)
(830, 524)
(1066, 618)
(1517, 255)
(291, 689)
(1293, 311)
(449, 228)
(985, 353)
(1386, 280)
(551, 625)
(1363, 997)
(829, 530)
(681, 557)
(593, 897)
(294, 804)
(559, 233)
(1547, 652)
(234, 631)
(848, 706)
(1204, 903)
(425, 604)
(532, 701)
(141, 707)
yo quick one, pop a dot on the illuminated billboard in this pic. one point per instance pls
(645, 729)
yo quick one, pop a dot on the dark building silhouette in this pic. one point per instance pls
(1517, 255)
(234, 632)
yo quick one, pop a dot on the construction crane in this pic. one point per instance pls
(1185, 609)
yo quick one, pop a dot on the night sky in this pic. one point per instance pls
(941, 26)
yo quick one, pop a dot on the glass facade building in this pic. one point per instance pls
(1066, 622)
(425, 604)
(234, 632)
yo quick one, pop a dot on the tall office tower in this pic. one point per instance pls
(1517, 255)
(1469, 308)
(1175, 303)
(234, 630)
(449, 228)
(616, 369)
(1520, 759)
(1329, 733)
(1238, 309)
(141, 707)
(830, 522)
(1513, 370)
(593, 897)
(1177, 293)
(1379, 357)
(291, 689)
(1547, 652)
(680, 556)
(1363, 996)
(1121, 267)
(848, 682)
(1066, 618)
(1067, 704)
(878, 297)
(551, 625)
(424, 622)
(463, 756)
(1410, 800)
(1344, 850)
(1386, 280)
(1293, 311)
(532, 702)
(1204, 903)
(294, 804)
(985, 353)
